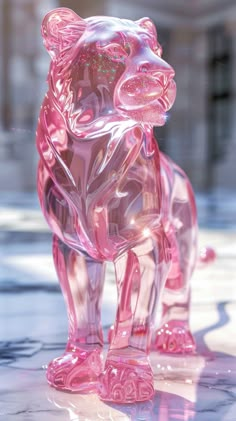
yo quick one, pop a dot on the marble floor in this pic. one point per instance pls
(33, 328)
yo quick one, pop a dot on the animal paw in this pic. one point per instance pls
(76, 370)
(125, 380)
(174, 337)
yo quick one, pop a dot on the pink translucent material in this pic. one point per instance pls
(207, 255)
(108, 194)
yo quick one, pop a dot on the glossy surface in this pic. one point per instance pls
(108, 194)
(33, 330)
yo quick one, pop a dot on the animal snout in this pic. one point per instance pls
(143, 88)
(150, 81)
(140, 89)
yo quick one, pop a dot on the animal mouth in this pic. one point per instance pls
(152, 109)
(161, 103)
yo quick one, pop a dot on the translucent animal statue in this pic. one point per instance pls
(108, 194)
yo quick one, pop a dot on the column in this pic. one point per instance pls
(187, 123)
(225, 170)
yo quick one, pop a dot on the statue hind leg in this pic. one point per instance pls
(174, 335)
(81, 279)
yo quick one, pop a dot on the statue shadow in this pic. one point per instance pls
(218, 377)
(163, 407)
(197, 388)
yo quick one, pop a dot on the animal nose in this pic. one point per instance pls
(158, 69)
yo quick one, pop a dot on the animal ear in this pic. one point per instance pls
(60, 28)
(147, 24)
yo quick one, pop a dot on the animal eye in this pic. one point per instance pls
(115, 51)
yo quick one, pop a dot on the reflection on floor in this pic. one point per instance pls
(33, 330)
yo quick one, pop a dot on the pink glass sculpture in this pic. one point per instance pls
(108, 194)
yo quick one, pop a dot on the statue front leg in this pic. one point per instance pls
(141, 274)
(81, 280)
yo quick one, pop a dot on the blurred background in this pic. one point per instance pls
(198, 39)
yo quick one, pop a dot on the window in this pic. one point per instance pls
(5, 82)
(219, 93)
(19, 50)
(160, 133)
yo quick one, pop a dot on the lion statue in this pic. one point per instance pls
(108, 194)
